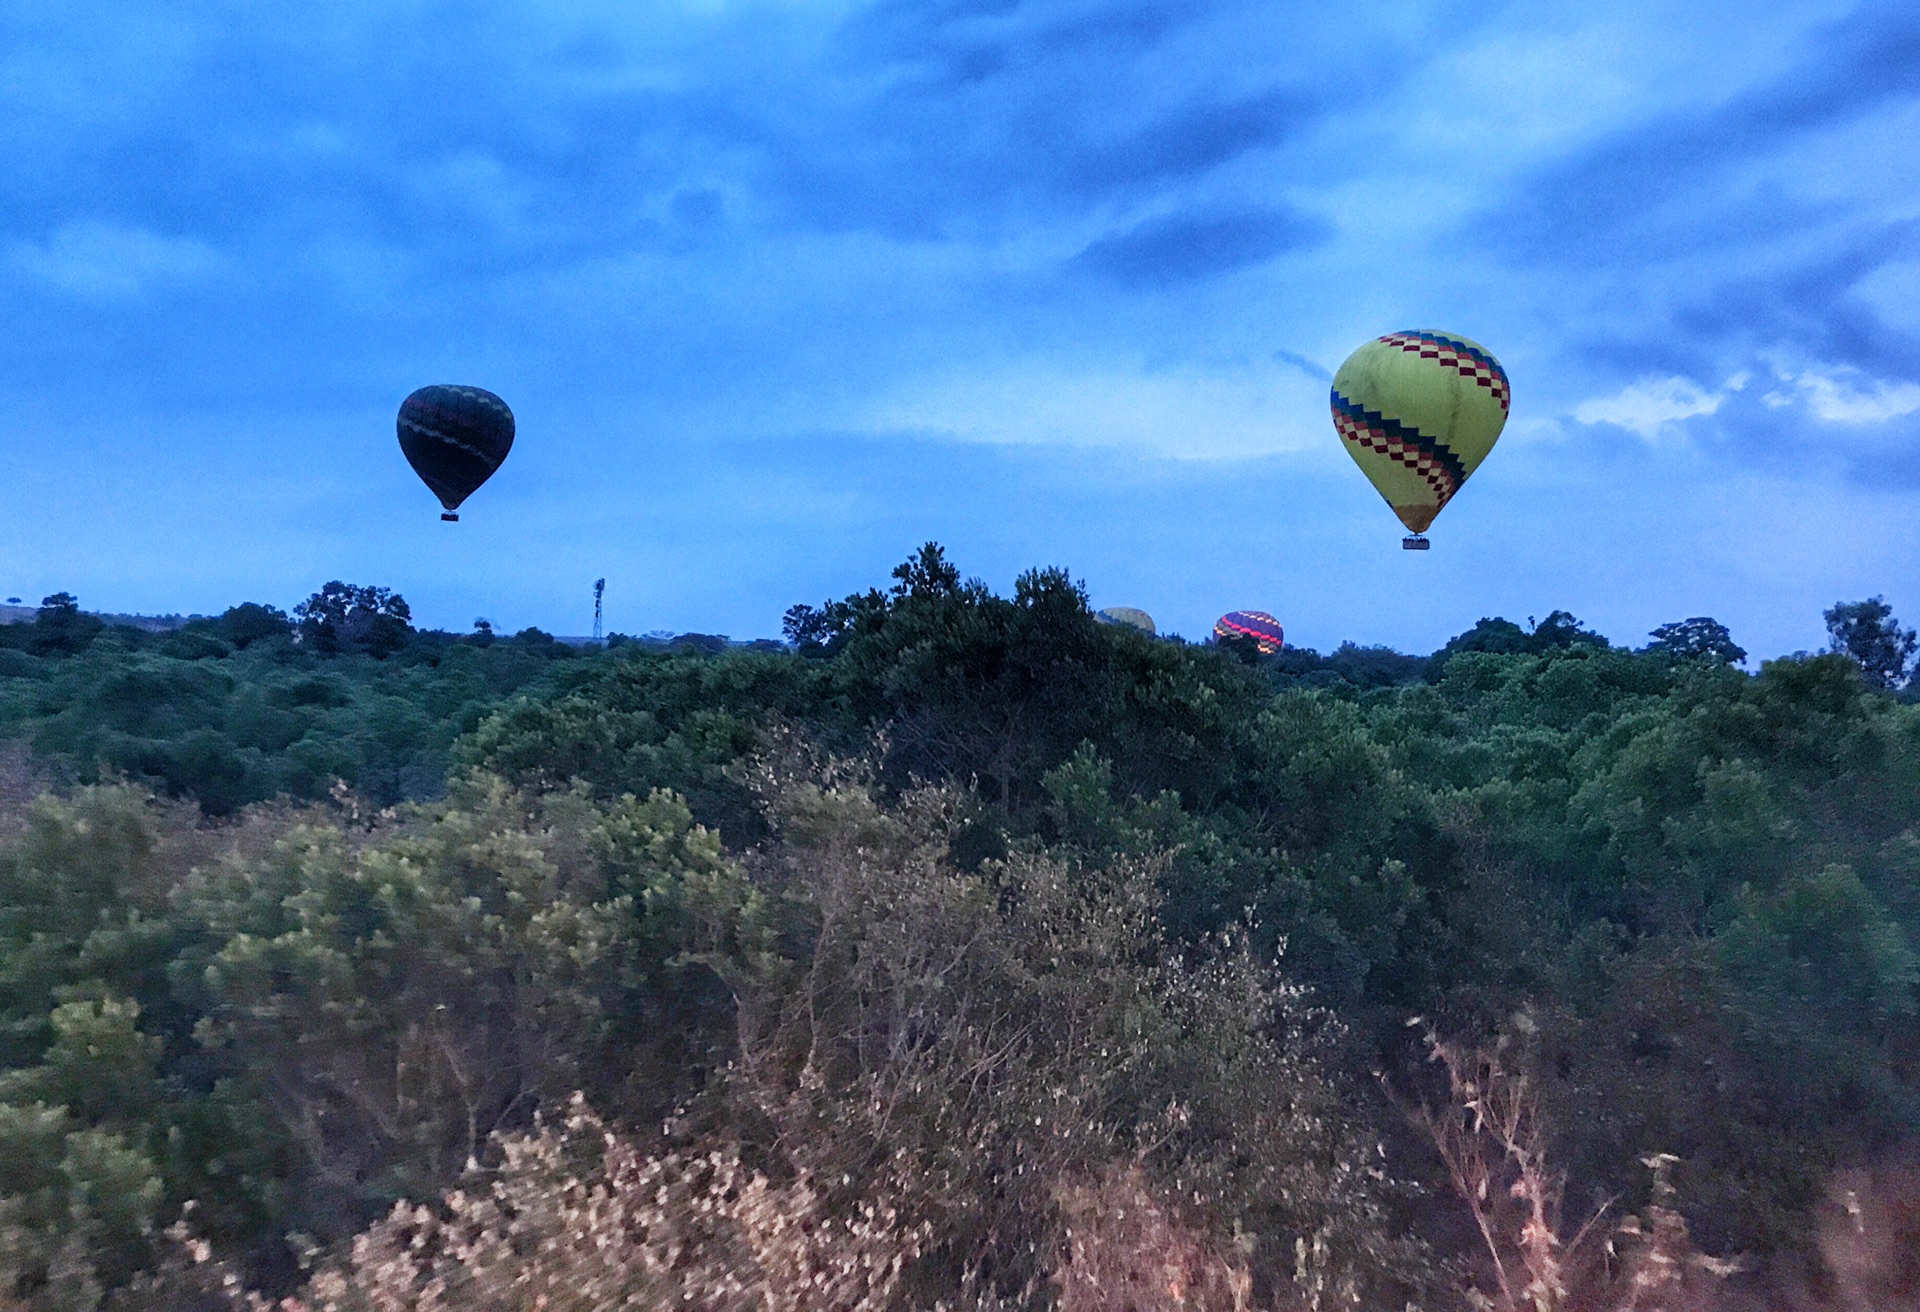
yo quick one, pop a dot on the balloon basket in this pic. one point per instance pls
(1414, 542)
(450, 517)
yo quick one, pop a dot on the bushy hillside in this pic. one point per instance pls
(251, 706)
(970, 951)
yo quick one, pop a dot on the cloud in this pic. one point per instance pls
(1309, 367)
(1061, 231)
(1846, 396)
(1628, 182)
(1190, 141)
(1756, 212)
(95, 260)
(957, 121)
(1649, 405)
(1831, 394)
(1192, 412)
(1892, 291)
(1179, 248)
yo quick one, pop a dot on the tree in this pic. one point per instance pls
(1699, 638)
(808, 628)
(924, 576)
(61, 627)
(1868, 632)
(709, 644)
(342, 617)
(1560, 629)
(927, 573)
(249, 622)
(820, 631)
(1504, 637)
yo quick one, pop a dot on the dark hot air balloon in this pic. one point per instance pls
(454, 437)
(1263, 628)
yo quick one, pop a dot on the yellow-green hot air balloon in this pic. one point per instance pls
(1418, 412)
(1130, 616)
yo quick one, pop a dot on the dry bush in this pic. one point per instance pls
(964, 1039)
(1869, 1239)
(1489, 1136)
(988, 1088)
(579, 1219)
(1126, 1249)
(1126, 1252)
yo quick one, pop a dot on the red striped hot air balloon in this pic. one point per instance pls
(1262, 628)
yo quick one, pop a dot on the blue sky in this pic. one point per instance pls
(780, 289)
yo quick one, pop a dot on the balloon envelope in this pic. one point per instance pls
(454, 437)
(1418, 412)
(1263, 628)
(1127, 615)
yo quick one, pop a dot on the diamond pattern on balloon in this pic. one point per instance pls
(1428, 457)
(1463, 358)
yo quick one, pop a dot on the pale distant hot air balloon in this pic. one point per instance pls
(1418, 412)
(1127, 616)
(454, 437)
(1263, 628)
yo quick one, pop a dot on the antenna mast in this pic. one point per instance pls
(599, 586)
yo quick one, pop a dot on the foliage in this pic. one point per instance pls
(1504, 637)
(1546, 819)
(60, 628)
(243, 708)
(968, 1041)
(342, 617)
(1056, 944)
(1699, 638)
(297, 1021)
(1868, 632)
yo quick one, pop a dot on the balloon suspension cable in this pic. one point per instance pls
(1415, 542)
(450, 517)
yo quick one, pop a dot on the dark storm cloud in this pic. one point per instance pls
(1182, 247)
(932, 166)
(456, 135)
(1788, 307)
(447, 132)
(941, 121)
(1668, 182)
(1810, 302)
(1188, 142)
(379, 183)
(1725, 237)
(968, 41)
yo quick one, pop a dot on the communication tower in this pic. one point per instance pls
(599, 586)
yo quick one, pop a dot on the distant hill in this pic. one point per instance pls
(147, 623)
(168, 623)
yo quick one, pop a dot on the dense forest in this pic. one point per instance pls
(961, 951)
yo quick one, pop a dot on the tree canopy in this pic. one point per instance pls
(1867, 632)
(989, 912)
